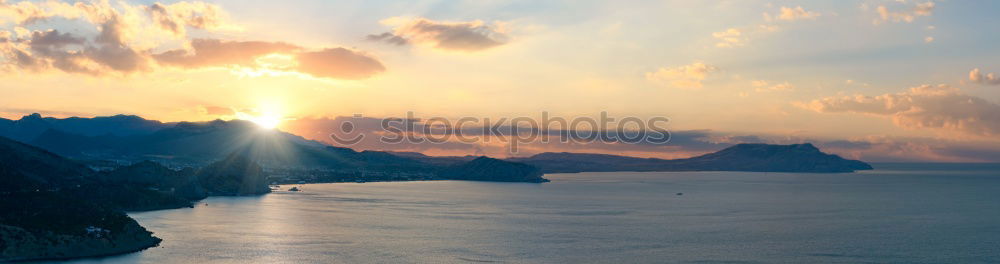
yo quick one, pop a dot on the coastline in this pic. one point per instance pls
(47, 246)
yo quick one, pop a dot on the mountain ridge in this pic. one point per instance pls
(754, 157)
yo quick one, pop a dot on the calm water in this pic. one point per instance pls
(897, 214)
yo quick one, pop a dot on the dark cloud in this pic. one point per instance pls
(51, 40)
(389, 38)
(118, 58)
(176, 17)
(162, 16)
(460, 36)
(74, 54)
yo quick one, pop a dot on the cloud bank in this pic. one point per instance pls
(126, 39)
(926, 106)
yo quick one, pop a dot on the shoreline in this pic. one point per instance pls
(139, 248)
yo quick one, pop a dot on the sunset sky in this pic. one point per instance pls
(897, 80)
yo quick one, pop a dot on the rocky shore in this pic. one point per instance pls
(18, 244)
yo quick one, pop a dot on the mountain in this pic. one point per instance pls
(31, 126)
(741, 157)
(26, 167)
(772, 158)
(151, 175)
(565, 162)
(436, 160)
(45, 212)
(194, 144)
(490, 169)
(234, 175)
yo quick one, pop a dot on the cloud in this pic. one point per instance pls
(458, 36)
(127, 35)
(389, 38)
(739, 36)
(178, 16)
(338, 63)
(927, 106)
(988, 79)
(50, 49)
(731, 37)
(764, 86)
(735, 37)
(215, 52)
(217, 111)
(791, 14)
(908, 14)
(50, 40)
(335, 63)
(687, 76)
(124, 34)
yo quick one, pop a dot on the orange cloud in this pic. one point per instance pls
(338, 63)
(686, 77)
(926, 106)
(764, 86)
(988, 79)
(217, 111)
(214, 52)
(123, 43)
(792, 14)
(918, 10)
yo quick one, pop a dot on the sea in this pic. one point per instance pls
(897, 213)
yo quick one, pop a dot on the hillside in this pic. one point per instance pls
(741, 157)
(51, 207)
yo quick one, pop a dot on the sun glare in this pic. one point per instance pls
(268, 121)
(265, 120)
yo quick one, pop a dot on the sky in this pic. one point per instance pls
(894, 80)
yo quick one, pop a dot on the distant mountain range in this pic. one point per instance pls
(31, 126)
(134, 139)
(194, 144)
(741, 157)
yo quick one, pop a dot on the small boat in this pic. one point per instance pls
(294, 189)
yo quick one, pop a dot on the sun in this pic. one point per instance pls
(267, 121)
(264, 120)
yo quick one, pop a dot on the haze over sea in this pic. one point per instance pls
(898, 213)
